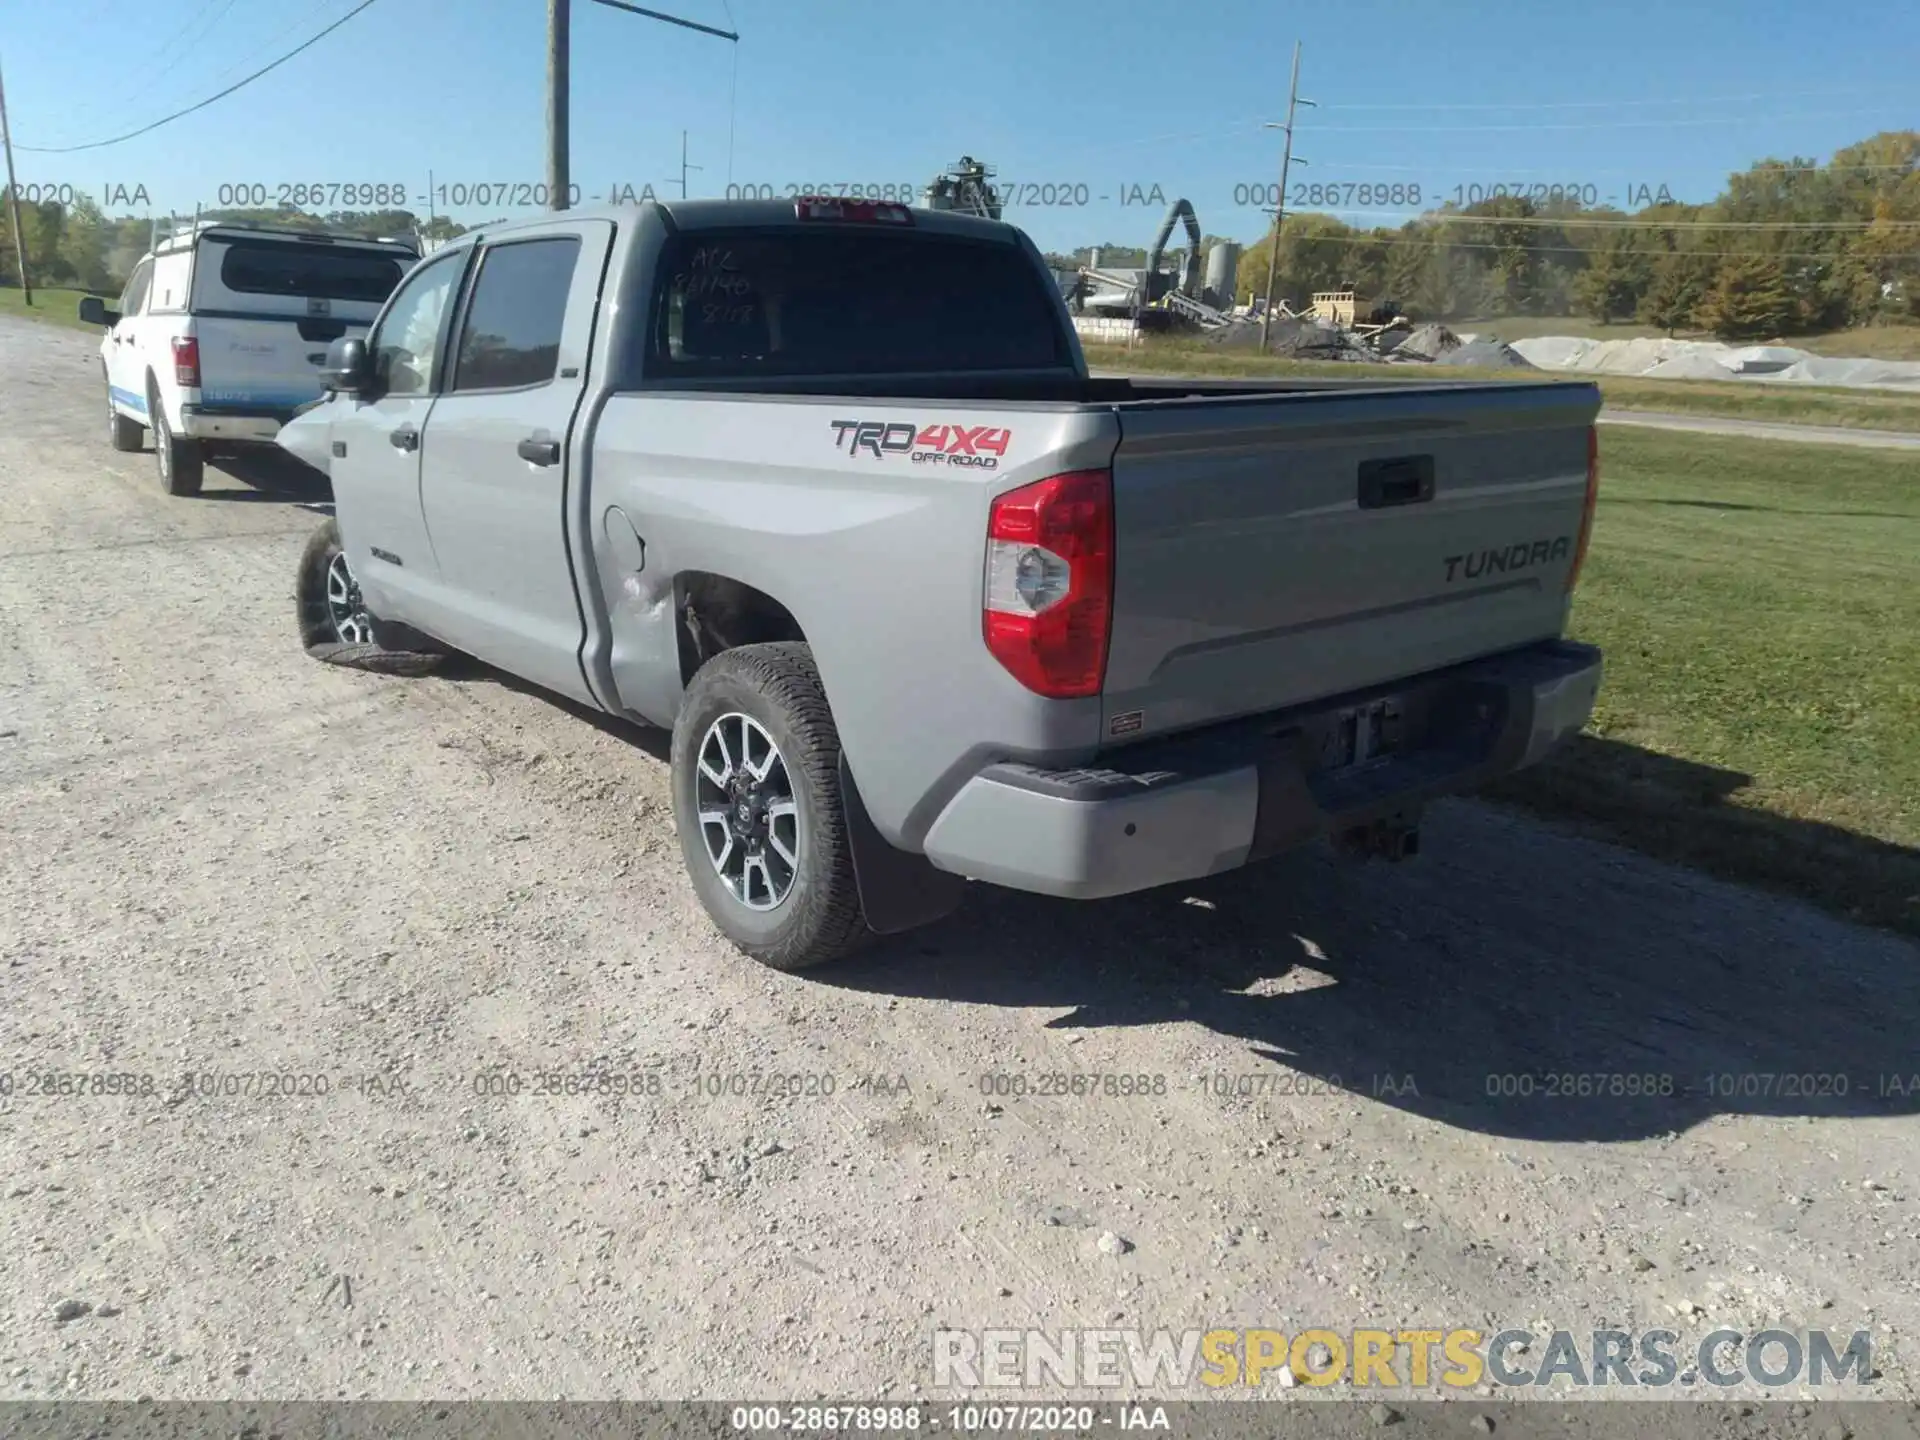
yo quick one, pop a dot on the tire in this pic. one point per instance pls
(126, 436)
(817, 918)
(179, 460)
(335, 628)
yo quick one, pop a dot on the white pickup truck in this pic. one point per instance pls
(826, 488)
(222, 331)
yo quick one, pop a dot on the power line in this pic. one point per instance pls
(1591, 125)
(1437, 243)
(156, 67)
(314, 11)
(1773, 95)
(669, 19)
(152, 63)
(1601, 223)
(1636, 173)
(237, 85)
(1252, 124)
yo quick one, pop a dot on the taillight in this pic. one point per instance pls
(1049, 593)
(1586, 513)
(186, 362)
(866, 212)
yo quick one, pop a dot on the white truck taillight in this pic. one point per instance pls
(186, 362)
(1049, 583)
(1586, 513)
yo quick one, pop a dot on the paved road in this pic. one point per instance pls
(1764, 430)
(1576, 1088)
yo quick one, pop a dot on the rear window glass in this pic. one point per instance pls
(842, 301)
(312, 272)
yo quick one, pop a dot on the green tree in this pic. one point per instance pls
(1614, 279)
(1674, 291)
(1750, 299)
(83, 246)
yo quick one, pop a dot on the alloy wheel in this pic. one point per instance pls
(749, 816)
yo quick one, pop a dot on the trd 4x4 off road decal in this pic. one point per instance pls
(980, 447)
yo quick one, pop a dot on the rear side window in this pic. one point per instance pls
(512, 334)
(844, 301)
(311, 272)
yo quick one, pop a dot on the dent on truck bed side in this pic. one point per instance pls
(611, 574)
(879, 560)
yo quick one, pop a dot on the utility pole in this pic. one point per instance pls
(13, 199)
(559, 89)
(1280, 201)
(684, 166)
(559, 49)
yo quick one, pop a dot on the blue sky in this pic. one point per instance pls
(1107, 96)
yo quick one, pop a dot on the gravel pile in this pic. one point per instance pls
(1486, 352)
(1428, 342)
(1294, 339)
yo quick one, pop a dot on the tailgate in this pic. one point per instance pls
(1280, 550)
(265, 363)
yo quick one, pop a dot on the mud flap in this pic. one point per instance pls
(898, 889)
(376, 660)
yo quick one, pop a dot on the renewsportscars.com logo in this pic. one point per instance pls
(979, 446)
(1165, 1361)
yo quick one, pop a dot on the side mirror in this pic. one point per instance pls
(349, 368)
(93, 311)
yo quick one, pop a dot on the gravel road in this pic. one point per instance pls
(1764, 430)
(224, 860)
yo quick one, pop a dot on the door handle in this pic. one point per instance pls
(539, 452)
(1403, 480)
(405, 438)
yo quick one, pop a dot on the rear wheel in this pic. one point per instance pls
(756, 801)
(180, 462)
(126, 436)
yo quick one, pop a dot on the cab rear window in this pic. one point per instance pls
(312, 272)
(838, 301)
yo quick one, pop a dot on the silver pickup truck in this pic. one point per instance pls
(826, 488)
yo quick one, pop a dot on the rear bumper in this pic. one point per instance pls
(259, 425)
(1174, 810)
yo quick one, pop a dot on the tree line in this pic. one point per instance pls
(77, 247)
(1789, 246)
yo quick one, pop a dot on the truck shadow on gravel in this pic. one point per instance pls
(1515, 980)
(1686, 813)
(265, 475)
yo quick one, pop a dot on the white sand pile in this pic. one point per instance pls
(1662, 359)
(1690, 367)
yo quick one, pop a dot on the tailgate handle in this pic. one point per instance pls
(1403, 480)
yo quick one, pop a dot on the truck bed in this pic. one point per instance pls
(1100, 391)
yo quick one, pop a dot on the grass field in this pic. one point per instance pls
(60, 306)
(1759, 606)
(1779, 404)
